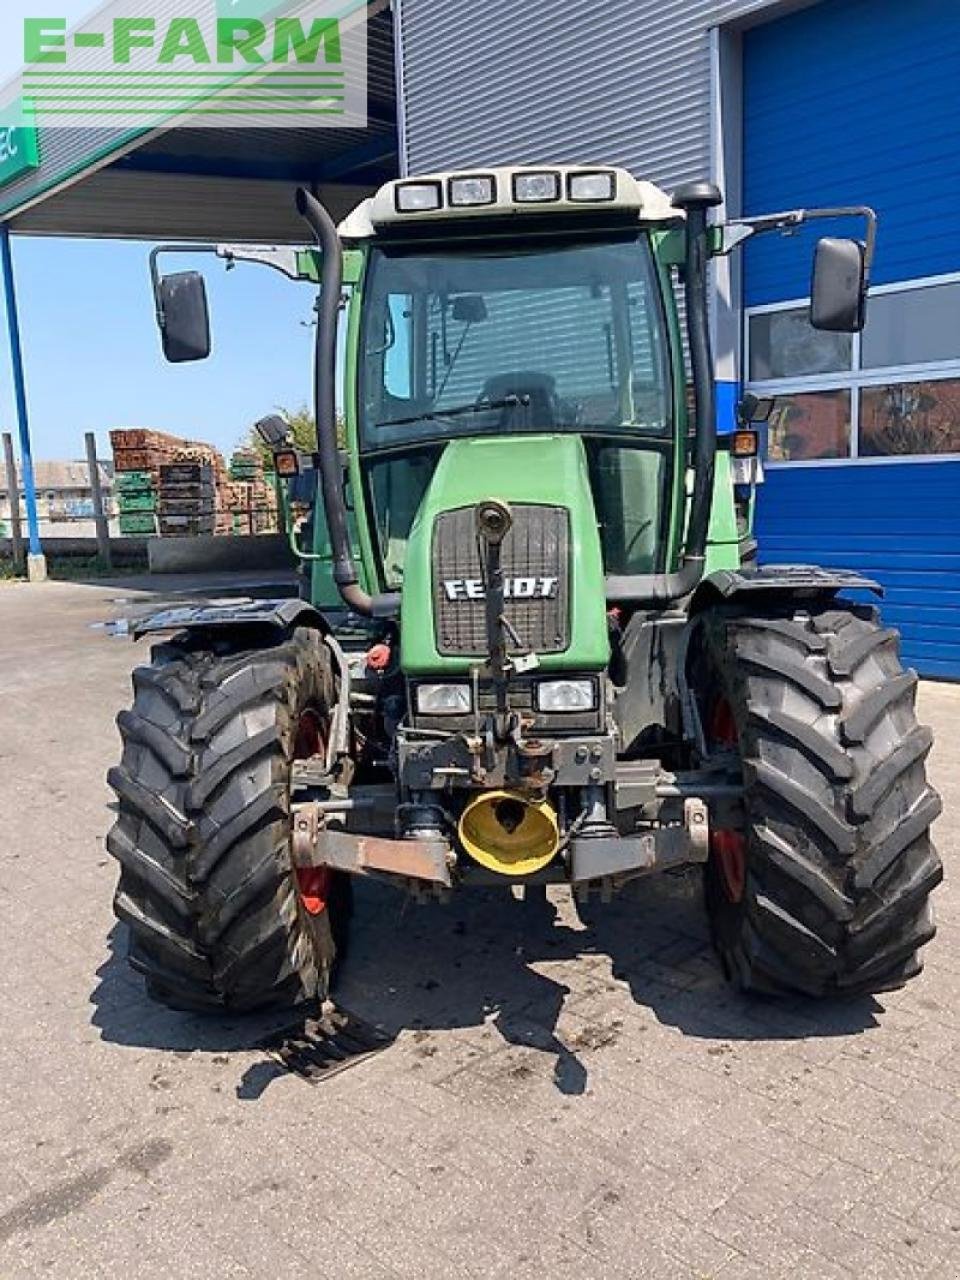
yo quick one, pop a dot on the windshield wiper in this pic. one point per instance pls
(439, 415)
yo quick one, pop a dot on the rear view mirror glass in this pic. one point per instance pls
(185, 317)
(838, 290)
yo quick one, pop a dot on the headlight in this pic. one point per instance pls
(444, 699)
(478, 190)
(566, 695)
(418, 197)
(536, 188)
(592, 186)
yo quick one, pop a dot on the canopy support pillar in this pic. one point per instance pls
(36, 561)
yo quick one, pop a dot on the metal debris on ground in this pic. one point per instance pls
(318, 1048)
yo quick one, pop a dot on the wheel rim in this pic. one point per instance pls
(728, 846)
(313, 883)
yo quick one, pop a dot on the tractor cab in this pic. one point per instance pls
(530, 329)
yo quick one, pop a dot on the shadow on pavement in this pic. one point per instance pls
(478, 960)
(125, 1015)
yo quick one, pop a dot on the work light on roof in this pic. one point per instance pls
(536, 188)
(475, 189)
(601, 185)
(418, 197)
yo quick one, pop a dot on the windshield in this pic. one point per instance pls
(478, 341)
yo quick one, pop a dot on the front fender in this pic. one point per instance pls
(801, 581)
(283, 615)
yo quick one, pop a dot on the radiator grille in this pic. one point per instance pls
(537, 546)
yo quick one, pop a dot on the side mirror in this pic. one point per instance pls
(753, 408)
(838, 292)
(184, 317)
(274, 431)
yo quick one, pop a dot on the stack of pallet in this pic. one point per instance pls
(188, 498)
(181, 488)
(138, 455)
(252, 497)
(136, 502)
(137, 449)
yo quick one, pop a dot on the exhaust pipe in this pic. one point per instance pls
(695, 198)
(325, 380)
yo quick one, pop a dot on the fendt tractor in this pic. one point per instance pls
(533, 643)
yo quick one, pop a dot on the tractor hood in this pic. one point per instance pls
(551, 558)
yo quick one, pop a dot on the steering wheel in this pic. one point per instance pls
(538, 390)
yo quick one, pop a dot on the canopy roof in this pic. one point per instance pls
(205, 183)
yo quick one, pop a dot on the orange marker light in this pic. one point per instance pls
(288, 464)
(744, 444)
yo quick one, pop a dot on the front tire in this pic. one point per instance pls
(207, 886)
(824, 886)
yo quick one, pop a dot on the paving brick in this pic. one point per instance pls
(567, 1098)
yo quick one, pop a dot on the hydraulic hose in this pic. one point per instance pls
(660, 588)
(325, 380)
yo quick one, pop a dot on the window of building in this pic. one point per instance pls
(892, 391)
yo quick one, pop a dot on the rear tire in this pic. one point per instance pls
(837, 864)
(207, 886)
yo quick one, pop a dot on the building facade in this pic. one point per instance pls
(64, 497)
(836, 102)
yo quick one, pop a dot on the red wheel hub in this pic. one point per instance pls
(728, 846)
(314, 883)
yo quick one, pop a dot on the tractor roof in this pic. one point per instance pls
(509, 192)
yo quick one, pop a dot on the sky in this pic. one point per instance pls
(92, 352)
(91, 348)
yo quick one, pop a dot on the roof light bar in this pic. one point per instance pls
(601, 185)
(480, 188)
(536, 188)
(418, 197)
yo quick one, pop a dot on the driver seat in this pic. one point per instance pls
(538, 388)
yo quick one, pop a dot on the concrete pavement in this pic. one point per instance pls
(565, 1097)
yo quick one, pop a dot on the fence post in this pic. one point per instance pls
(103, 528)
(13, 490)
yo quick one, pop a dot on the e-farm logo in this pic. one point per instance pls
(216, 62)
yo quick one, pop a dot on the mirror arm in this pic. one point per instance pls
(282, 258)
(738, 230)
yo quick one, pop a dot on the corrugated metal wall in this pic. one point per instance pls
(531, 81)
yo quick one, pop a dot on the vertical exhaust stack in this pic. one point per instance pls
(652, 590)
(325, 380)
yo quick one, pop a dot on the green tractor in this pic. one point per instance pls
(533, 645)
